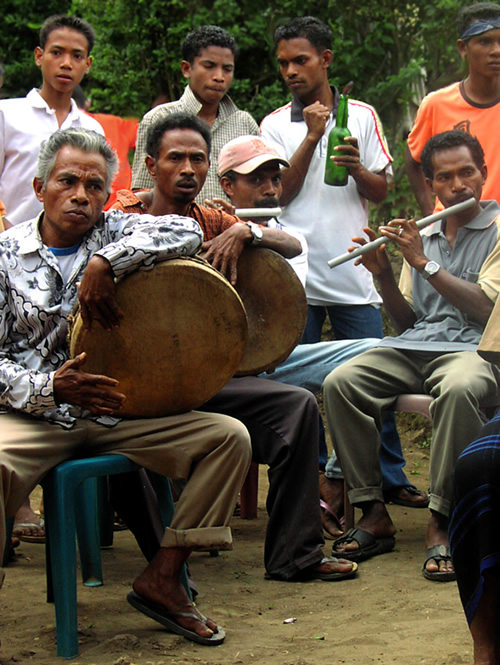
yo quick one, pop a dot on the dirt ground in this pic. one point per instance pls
(388, 614)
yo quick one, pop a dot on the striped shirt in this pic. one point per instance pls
(229, 124)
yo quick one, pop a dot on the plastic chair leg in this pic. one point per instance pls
(60, 526)
(9, 525)
(88, 531)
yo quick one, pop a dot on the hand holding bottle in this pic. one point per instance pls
(346, 154)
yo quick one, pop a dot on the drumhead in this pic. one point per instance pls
(276, 307)
(182, 337)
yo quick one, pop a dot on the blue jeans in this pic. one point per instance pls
(347, 321)
(352, 322)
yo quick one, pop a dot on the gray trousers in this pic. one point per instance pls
(357, 394)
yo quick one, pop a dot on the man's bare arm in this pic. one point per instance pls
(224, 251)
(316, 117)
(468, 297)
(371, 186)
(419, 186)
(377, 262)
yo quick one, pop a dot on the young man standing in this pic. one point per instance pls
(64, 58)
(330, 216)
(472, 105)
(208, 56)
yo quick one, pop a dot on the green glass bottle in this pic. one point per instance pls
(338, 175)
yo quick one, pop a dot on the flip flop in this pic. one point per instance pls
(392, 496)
(335, 518)
(28, 538)
(438, 553)
(368, 545)
(167, 619)
(311, 574)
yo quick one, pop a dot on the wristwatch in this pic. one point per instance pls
(430, 269)
(256, 232)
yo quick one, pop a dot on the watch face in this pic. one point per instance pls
(431, 268)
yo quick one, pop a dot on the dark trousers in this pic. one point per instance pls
(283, 425)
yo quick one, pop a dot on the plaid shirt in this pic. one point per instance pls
(213, 222)
(229, 124)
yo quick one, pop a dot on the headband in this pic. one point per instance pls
(478, 27)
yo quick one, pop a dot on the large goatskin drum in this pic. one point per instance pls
(183, 335)
(276, 307)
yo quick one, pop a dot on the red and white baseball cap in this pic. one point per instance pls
(246, 153)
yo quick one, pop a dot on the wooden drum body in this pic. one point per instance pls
(183, 335)
(276, 307)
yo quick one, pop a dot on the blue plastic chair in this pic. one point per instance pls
(71, 506)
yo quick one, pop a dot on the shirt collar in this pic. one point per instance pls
(37, 101)
(490, 210)
(226, 106)
(297, 111)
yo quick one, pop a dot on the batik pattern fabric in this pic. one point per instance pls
(35, 303)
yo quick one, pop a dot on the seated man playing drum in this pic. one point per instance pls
(283, 420)
(52, 409)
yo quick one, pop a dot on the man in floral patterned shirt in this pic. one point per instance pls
(52, 410)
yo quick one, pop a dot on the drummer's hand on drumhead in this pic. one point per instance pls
(97, 295)
(376, 261)
(224, 250)
(90, 391)
(220, 204)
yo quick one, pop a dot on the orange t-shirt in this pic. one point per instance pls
(121, 134)
(449, 108)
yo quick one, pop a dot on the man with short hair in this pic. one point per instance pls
(53, 410)
(250, 175)
(208, 58)
(330, 216)
(471, 105)
(448, 286)
(179, 171)
(283, 420)
(64, 59)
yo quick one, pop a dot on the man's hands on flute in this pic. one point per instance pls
(406, 234)
(401, 231)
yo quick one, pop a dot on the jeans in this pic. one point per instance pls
(351, 322)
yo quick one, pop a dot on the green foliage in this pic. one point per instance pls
(21, 22)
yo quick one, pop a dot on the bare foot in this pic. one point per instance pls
(27, 524)
(336, 566)
(331, 492)
(437, 534)
(160, 584)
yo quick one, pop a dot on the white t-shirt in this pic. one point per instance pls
(299, 262)
(24, 123)
(330, 216)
